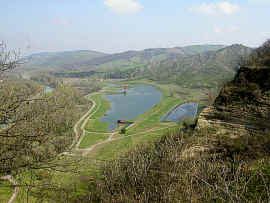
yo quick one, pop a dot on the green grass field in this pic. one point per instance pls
(102, 105)
(118, 147)
(6, 191)
(91, 139)
(147, 127)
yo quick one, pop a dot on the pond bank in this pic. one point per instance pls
(180, 112)
(129, 106)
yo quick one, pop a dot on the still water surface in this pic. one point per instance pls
(48, 89)
(129, 106)
(181, 112)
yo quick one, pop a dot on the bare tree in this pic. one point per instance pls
(34, 128)
(8, 59)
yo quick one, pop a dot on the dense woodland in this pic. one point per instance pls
(47, 80)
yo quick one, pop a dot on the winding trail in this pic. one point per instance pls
(13, 182)
(75, 129)
(88, 150)
(110, 138)
(85, 119)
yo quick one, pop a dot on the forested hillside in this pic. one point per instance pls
(76, 61)
(59, 60)
(201, 70)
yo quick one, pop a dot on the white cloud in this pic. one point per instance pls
(124, 6)
(217, 30)
(207, 8)
(265, 34)
(226, 30)
(225, 8)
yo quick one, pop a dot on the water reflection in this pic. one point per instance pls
(181, 112)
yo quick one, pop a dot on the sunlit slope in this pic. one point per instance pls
(60, 60)
(90, 60)
(201, 70)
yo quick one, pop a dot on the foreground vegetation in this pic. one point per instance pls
(35, 128)
(167, 172)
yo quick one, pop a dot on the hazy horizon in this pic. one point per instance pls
(113, 26)
(74, 50)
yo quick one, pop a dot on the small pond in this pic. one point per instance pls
(129, 106)
(48, 89)
(181, 112)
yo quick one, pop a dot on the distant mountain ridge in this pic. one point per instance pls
(92, 60)
(155, 54)
(59, 60)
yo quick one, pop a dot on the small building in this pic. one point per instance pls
(121, 121)
(125, 86)
(124, 122)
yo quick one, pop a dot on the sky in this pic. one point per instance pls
(112, 26)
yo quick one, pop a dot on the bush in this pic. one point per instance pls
(261, 56)
(159, 173)
(189, 123)
(123, 131)
(267, 93)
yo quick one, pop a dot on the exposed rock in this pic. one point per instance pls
(243, 106)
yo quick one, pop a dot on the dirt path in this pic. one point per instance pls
(110, 139)
(88, 150)
(97, 131)
(85, 123)
(13, 182)
(85, 119)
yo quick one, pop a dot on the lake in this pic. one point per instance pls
(181, 112)
(129, 106)
(48, 89)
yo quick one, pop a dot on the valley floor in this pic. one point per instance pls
(94, 143)
(147, 127)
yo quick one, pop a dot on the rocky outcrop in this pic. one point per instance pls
(242, 107)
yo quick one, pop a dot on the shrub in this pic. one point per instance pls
(261, 56)
(189, 123)
(159, 173)
(267, 93)
(123, 131)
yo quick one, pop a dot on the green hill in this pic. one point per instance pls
(59, 60)
(129, 59)
(198, 49)
(90, 60)
(201, 70)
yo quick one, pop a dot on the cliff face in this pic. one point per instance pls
(243, 106)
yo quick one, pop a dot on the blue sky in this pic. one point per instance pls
(119, 25)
